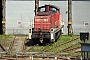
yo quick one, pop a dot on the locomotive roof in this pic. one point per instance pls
(52, 6)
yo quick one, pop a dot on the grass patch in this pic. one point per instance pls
(55, 46)
(5, 40)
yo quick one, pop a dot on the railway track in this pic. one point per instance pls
(11, 45)
(63, 50)
(17, 45)
(32, 57)
(70, 48)
(24, 47)
(46, 49)
(17, 40)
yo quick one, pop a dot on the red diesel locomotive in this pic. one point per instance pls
(47, 27)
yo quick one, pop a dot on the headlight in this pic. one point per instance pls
(45, 20)
(37, 20)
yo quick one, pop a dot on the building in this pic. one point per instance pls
(20, 13)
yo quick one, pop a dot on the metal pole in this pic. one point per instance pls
(1, 29)
(16, 56)
(36, 5)
(87, 56)
(3, 16)
(3, 9)
(32, 57)
(84, 55)
(69, 17)
(81, 55)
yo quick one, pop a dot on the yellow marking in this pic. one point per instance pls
(3, 22)
(69, 22)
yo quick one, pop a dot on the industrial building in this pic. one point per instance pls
(19, 14)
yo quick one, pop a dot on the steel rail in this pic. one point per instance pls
(46, 49)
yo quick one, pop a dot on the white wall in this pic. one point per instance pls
(24, 11)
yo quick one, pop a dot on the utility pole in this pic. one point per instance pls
(70, 17)
(36, 5)
(3, 16)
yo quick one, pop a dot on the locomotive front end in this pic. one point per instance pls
(41, 29)
(46, 25)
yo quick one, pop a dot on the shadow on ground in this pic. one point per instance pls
(32, 43)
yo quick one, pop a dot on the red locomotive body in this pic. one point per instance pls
(46, 24)
(42, 22)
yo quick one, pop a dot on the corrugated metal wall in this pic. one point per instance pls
(81, 14)
(18, 16)
(23, 11)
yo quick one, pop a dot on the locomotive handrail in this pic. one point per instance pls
(57, 29)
